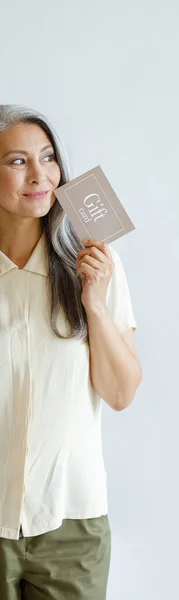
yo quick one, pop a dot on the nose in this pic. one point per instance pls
(35, 172)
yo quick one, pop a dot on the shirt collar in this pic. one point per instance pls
(37, 263)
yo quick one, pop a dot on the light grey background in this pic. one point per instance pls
(107, 74)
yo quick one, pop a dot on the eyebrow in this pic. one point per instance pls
(17, 151)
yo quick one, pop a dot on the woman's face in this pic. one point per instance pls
(31, 169)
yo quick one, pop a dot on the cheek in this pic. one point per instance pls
(56, 175)
(10, 180)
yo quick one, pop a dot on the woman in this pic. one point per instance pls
(66, 332)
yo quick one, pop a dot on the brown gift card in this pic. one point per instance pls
(93, 208)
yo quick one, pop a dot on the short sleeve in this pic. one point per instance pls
(118, 298)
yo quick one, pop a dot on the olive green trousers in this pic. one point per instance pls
(69, 563)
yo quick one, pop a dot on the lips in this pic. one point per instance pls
(37, 194)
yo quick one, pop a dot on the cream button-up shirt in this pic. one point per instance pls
(51, 459)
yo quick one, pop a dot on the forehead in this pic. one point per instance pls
(23, 135)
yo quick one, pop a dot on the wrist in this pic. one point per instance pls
(99, 309)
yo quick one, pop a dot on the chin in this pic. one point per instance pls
(40, 210)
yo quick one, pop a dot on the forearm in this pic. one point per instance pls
(114, 370)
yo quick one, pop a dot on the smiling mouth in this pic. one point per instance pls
(36, 195)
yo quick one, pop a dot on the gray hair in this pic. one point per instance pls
(63, 244)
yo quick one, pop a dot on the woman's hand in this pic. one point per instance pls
(95, 265)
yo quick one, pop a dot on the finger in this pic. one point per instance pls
(94, 252)
(103, 246)
(88, 271)
(91, 261)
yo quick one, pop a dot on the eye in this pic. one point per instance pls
(51, 156)
(15, 161)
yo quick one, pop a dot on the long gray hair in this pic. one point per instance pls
(63, 244)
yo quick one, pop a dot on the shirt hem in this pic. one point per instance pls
(13, 534)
